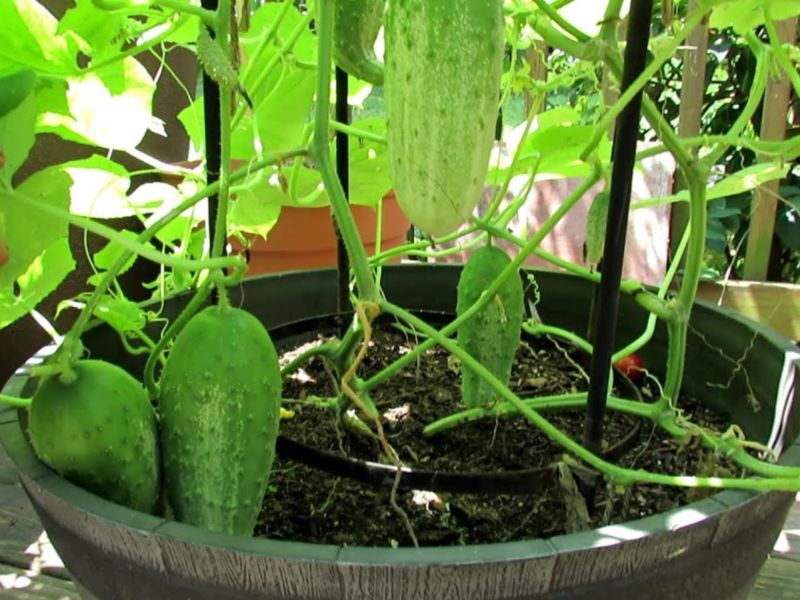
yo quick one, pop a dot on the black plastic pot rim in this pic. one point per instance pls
(35, 473)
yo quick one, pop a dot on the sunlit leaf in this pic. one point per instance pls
(30, 40)
(744, 15)
(110, 107)
(99, 188)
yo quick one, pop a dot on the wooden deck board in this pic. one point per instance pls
(31, 569)
(18, 584)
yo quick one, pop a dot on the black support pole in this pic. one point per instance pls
(212, 133)
(624, 158)
(343, 171)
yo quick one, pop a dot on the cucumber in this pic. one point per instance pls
(444, 61)
(220, 410)
(100, 432)
(356, 24)
(596, 220)
(493, 334)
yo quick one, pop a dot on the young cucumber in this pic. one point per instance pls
(220, 410)
(100, 432)
(356, 24)
(492, 335)
(444, 60)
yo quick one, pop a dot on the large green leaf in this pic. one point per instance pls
(15, 88)
(41, 279)
(110, 107)
(29, 39)
(17, 136)
(38, 251)
(745, 180)
(554, 148)
(370, 178)
(242, 138)
(282, 101)
(744, 15)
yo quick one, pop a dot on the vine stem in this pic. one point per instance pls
(15, 402)
(320, 149)
(511, 270)
(72, 338)
(134, 246)
(620, 475)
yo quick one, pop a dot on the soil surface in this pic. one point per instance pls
(304, 504)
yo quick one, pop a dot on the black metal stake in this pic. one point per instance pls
(343, 171)
(624, 158)
(213, 133)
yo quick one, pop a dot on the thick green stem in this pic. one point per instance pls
(208, 17)
(556, 18)
(780, 54)
(359, 133)
(172, 331)
(367, 289)
(541, 329)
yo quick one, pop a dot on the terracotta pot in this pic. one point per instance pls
(304, 238)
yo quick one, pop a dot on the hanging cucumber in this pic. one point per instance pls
(356, 24)
(492, 335)
(220, 410)
(444, 60)
(100, 432)
(596, 220)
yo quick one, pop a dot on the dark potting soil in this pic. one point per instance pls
(304, 504)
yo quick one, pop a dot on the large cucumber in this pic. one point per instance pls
(444, 61)
(356, 24)
(100, 432)
(220, 410)
(492, 335)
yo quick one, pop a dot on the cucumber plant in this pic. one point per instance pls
(198, 429)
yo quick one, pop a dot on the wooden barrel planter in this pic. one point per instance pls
(712, 549)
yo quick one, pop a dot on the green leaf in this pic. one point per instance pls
(282, 103)
(122, 315)
(17, 136)
(787, 227)
(105, 259)
(27, 232)
(30, 40)
(253, 213)
(37, 282)
(97, 32)
(744, 180)
(110, 107)
(15, 88)
(744, 15)
(242, 137)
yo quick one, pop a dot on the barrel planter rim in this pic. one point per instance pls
(35, 474)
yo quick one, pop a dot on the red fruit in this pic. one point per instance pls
(631, 365)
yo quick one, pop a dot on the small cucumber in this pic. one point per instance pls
(100, 432)
(220, 412)
(493, 334)
(596, 220)
(356, 24)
